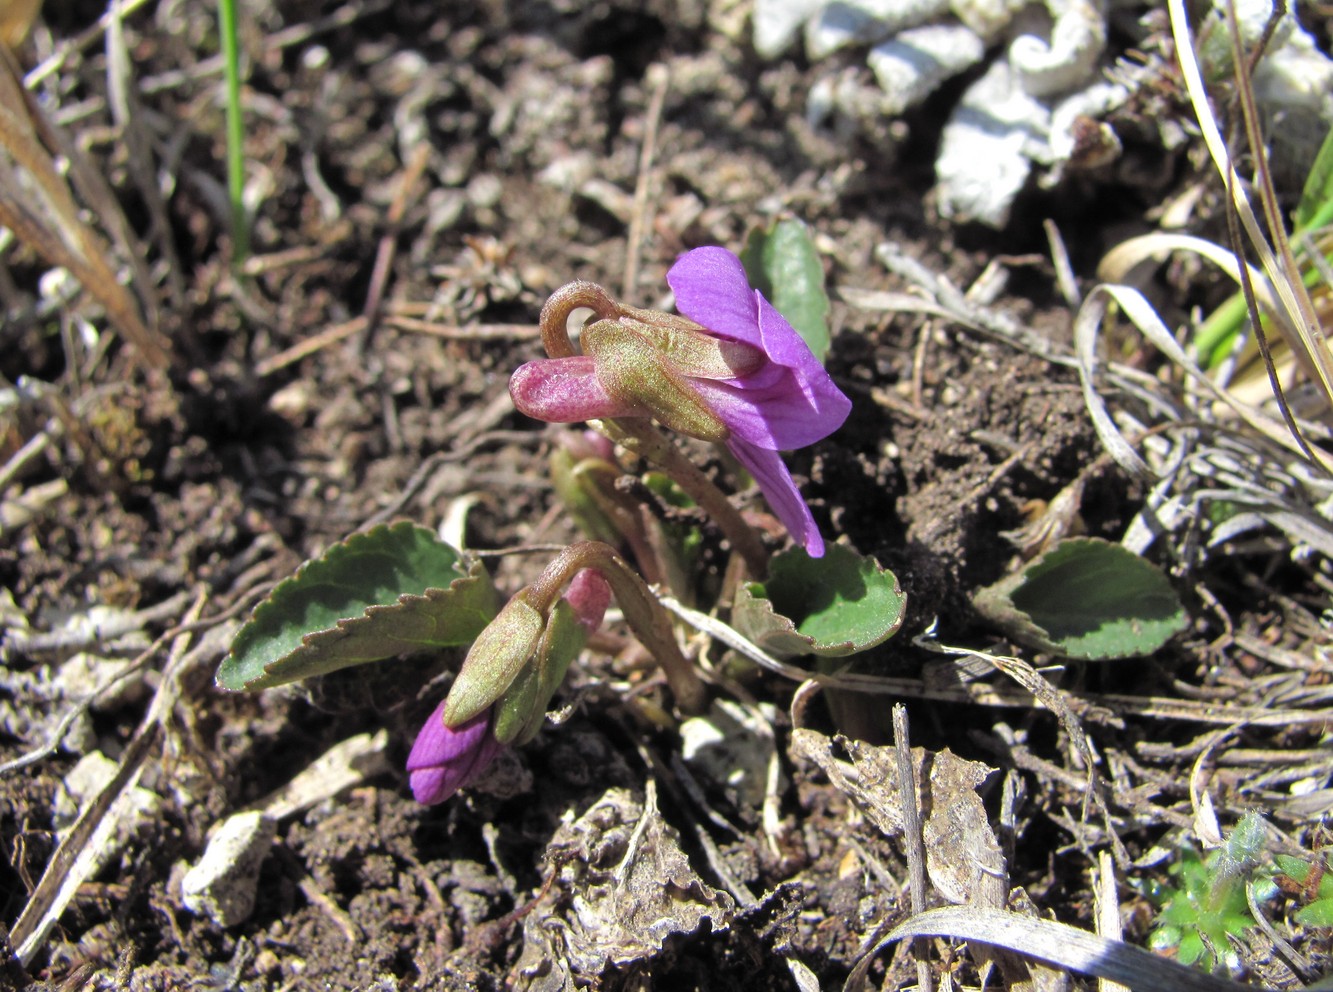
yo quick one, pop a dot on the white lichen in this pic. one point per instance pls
(854, 22)
(911, 66)
(1046, 96)
(1067, 56)
(987, 149)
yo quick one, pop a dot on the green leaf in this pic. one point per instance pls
(782, 263)
(1086, 598)
(1316, 204)
(831, 606)
(1297, 869)
(394, 589)
(1317, 914)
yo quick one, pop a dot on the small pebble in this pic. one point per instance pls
(223, 884)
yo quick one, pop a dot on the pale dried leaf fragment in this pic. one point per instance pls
(630, 887)
(963, 856)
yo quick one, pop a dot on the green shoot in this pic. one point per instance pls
(1217, 336)
(231, 58)
(1209, 908)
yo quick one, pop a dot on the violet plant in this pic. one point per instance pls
(730, 370)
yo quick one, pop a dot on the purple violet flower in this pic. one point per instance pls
(742, 376)
(443, 760)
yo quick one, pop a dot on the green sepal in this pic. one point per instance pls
(392, 590)
(521, 710)
(495, 659)
(634, 370)
(832, 606)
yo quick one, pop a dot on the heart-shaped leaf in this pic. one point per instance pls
(1086, 598)
(831, 606)
(782, 263)
(394, 589)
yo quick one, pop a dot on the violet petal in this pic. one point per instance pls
(444, 760)
(781, 416)
(783, 497)
(712, 290)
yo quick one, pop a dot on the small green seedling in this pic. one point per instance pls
(1310, 883)
(1208, 909)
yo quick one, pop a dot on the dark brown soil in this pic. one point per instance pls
(212, 482)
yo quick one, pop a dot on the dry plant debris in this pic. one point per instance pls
(178, 433)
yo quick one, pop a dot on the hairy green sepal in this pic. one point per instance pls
(521, 710)
(495, 659)
(633, 369)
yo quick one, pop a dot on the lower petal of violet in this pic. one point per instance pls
(783, 497)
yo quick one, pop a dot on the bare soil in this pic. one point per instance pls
(199, 488)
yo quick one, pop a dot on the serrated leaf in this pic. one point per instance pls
(832, 606)
(1086, 598)
(782, 263)
(394, 589)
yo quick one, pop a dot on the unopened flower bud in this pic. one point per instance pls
(521, 710)
(444, 760)
(495, 659)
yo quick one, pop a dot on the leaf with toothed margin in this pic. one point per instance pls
(1086, 598)
(832, 606)
(395, 589)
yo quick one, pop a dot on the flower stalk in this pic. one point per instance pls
(645, 615)
(638, 435)
(730, 371)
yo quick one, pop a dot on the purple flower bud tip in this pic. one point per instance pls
(444, 760)
(590, 594)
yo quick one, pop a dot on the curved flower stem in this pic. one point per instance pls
(554, 320)
(641, 437)
(645, 615)
(648, 442)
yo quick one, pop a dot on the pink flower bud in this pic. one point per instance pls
(590, 595)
